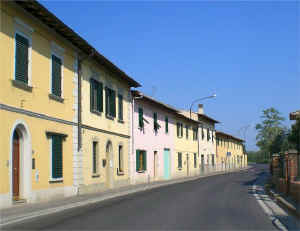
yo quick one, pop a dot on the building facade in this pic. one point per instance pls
(36, 100)
(206, 139)
(230, 151)
(153, 139)
(103, 158)
(186, 155)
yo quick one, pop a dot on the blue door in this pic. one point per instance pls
(166, 164)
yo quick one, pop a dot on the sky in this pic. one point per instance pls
(245, 52)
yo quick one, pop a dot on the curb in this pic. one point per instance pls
(287, 205)
(267, 210)
(48, 211)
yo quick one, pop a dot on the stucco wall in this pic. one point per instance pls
(147, 139)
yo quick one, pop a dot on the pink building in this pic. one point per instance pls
(152, 139)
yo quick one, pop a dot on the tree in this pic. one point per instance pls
(271, 132)
(294, 136)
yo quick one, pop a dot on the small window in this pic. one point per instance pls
(195, 160)
(156, 126)
(208, 134)
(110, 102)
(212, 136)
(95, 158)
(167, 124)
(56, 76)
(96, 96)
(56, 157)
(141, 119)
(121, 160)
(179, 160)
(21, 58)
(120, 107)
(179, 129)
(202, 132)
(195, 133)
(141, 161)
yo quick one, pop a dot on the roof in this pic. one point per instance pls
(39, 11)
(165, 106)
(194, 115)
(219, 133)
(295, 115)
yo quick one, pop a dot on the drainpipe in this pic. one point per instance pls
(79, 90)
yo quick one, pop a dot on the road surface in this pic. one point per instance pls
(223, 202)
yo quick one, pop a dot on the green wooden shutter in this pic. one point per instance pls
(167, 124)
(113, 103)
(155, 121)
(120, 103)
(56, 75)
(106, 101)
(21, 59)
(137, 160)
(94, 157)
(141, 121)
(144, 160)
(57, 161)
(92, 103)
(181, 129)
(99, 97)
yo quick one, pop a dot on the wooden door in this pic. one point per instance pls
(166, 164)
(16, 166)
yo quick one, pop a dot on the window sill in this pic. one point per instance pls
(53, 181)
(179, 169)
(56, 98)
(21, 85)
(142, 171)
(95, 175)
(110, 117)
(121, 121)
(96, 112)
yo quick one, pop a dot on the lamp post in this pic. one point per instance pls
(207, 97)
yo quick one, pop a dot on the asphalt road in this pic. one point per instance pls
(223, 202)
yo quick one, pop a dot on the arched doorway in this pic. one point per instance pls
(21, 163)
(109, 165)
(16, 166)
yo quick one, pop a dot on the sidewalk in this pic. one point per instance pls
(278, 216)
(23, 212)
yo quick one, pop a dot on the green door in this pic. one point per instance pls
(166, 164)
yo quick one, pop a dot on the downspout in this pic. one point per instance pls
(132, 140)
(79, 90)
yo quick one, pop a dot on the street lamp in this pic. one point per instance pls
(207, 97)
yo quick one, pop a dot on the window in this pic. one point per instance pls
(167, 124)
(120, 107)
(179, 129)
(21, 58)
(186, 131)
(195, 133)
(95, 158)
(96, 96)
(208, 134)
(202, 132)
(56, 157)
(56, 75)
(195, 160)
(218, 142)
(141, 161)
(212, 136)
(156, 126)
(141, 119)
(121, 162)
(179, 160)
(213, 159)
(110, 102)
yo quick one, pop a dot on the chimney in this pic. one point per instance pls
(200, 109)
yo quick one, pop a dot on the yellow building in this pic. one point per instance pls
(230, 151)
(103, 159)
(185, 156)
(36, 100)
(46, 144)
